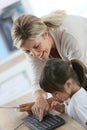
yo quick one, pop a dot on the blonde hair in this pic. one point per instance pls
(54, 19)
(29, 27)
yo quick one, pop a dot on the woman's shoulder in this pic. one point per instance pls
(76, 26)
(74, 21)
(74, 18)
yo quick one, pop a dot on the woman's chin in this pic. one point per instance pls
(44, 58)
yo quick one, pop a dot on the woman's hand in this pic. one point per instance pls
(40, 108)
(26, 107)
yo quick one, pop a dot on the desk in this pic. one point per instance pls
(10, 119)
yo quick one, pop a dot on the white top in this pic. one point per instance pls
(77, 107)
(70, 39)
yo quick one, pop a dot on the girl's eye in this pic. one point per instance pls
(55, 93)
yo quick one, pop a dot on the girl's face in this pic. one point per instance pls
(69, 88)
(62, 95)
(39, 48)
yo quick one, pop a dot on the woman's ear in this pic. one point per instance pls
(45, 33)
(68, 86)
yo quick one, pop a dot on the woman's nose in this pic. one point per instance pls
(34, 53)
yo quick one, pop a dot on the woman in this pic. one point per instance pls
(56, 35)
(65, 79)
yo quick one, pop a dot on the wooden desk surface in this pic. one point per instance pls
(10, 119)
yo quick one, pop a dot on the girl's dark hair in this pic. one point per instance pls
(56, 72)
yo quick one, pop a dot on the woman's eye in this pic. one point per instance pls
(27, 51)
(37, 46)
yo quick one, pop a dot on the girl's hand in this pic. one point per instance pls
(60, 107)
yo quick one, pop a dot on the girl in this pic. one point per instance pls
(65, 80)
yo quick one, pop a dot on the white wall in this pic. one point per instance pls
(27, 6)
(40, 7)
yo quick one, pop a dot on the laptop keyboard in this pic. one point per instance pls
(49, 122)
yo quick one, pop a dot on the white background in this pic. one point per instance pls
(41, 7)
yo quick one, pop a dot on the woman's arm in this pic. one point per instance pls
(28, 106)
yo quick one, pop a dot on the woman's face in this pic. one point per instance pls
(39, 48)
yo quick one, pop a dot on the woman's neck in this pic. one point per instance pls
(54, 53)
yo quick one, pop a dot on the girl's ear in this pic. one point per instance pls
(68, 86)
